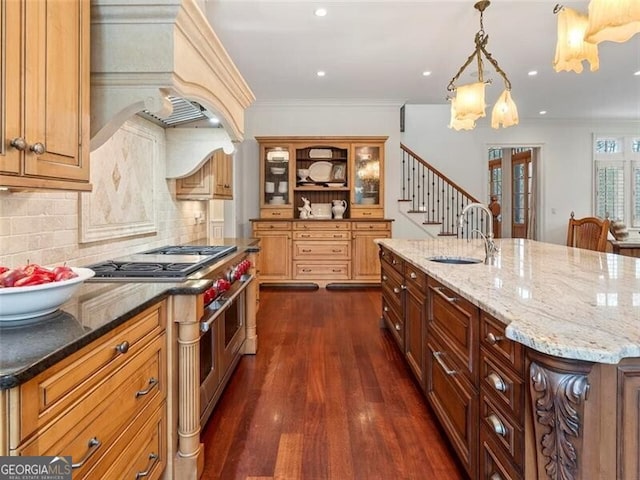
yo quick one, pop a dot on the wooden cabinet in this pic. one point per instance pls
(415, 319)
(214, 180)
(45, 94)
(629, 421)
(366, 262)
(105, 405)
(321, 252)
(321, 169)
(275, 250)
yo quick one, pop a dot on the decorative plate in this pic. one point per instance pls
(320, 171)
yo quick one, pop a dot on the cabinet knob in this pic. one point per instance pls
(497, 425)
(384, 278)
(122, 347)
(396, 290)
(413, 275)
(38, 148)
(398, 327)
(19, 144)
(386, 309)
(496, 381)
(495, 476)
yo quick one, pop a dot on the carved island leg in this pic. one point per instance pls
(559, 389)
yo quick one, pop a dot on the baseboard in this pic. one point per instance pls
(352, 286)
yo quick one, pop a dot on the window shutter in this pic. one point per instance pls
(635, 194)
(609, 190)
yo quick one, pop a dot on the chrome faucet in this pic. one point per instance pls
(490, 247)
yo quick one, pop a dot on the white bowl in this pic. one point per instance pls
(278, 170)
(27, 304)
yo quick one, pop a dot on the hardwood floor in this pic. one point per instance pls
(327, 396)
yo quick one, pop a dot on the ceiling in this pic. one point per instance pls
(376, 51)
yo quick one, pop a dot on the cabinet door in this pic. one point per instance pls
(276, 164)
(629, 422)
(223, 176)
(57, 89)
(10, 93)
(366, 262)
(197, 185)
(414, 328)
(367, 195)
(275, 255)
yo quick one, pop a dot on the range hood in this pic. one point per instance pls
(154, 57)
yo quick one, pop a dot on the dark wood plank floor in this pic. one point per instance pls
(327, 397)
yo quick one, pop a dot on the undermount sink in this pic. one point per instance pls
(455, 260)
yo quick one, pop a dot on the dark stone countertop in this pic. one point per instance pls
(97, 308)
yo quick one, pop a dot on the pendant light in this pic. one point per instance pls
(613, 20)
(571, 49)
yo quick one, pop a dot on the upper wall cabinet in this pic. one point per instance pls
(44, 69)
(214, 180)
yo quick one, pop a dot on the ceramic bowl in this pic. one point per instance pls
(21, 305)
(278, 170)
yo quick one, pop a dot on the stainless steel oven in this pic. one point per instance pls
(222, 333)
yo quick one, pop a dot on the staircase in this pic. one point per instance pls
(432, 201)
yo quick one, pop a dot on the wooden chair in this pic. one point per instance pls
(588, 232)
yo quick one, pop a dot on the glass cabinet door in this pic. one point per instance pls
(367, 176)
(276, 182)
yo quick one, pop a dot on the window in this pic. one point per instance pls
(617, 179)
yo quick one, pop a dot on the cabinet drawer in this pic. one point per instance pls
(276, 213)
(370, 226)
(390, 258)
(494, 464)
(315, 225)
(141, 448)
(503, 385)
(454, 402)
(392, 287)
(492, 337)
(321, 235)
(504, 431)
(415, 277)
(368, 213)
(272, 226)
(321, 250)
(321, 270)
(68, 382)
(106, 410)
(456, 321)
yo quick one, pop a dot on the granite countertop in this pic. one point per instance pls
(97, 308)
(562, 301)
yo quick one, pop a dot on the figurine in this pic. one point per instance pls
(305, 210)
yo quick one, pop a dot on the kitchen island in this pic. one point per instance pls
(531, 363)
(117, 370)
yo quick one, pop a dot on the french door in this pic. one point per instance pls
(521, 188)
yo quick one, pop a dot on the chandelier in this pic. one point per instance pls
(579, 34)
(468, 104)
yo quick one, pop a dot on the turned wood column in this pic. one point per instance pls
(251, 303)
(559, 389)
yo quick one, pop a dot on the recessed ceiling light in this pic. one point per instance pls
(637, 74)
(320, 73)
(543, 112)
(320, 12)
(214, 120)
(426, 73)
(532, 73)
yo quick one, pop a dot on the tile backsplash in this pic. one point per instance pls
(44, 227)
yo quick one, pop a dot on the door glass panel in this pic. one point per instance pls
(276, 176)
(367, 176)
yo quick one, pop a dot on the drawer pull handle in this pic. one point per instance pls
(398, 326)
(370, 226)
(94, 445)
(337, 235)
(447, 370)
(305, 235)
(413, 275)
(441, 291)
(122, 347)
(152, 383)
(306, 270)
(495, 476)
(497, 425)
(492, 339)
(336, 250)
(277, 214)
(336, 270)
(153, 458)
(366, 213)
(497, 382)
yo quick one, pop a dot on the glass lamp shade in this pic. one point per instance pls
(459, 124)
(571, 48)
(504, 112)
(469, 101)
(613, 20)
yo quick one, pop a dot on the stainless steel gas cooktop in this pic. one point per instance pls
(171, 263)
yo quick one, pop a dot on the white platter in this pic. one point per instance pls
(320, 171)
(335, 184)
(320, 153)
(23, 305)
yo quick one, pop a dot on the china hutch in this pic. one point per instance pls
(321, 207)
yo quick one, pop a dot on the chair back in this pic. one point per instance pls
(588, 232)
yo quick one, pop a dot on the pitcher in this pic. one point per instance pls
(338, 208)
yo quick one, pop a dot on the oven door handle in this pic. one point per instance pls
(206, 325)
